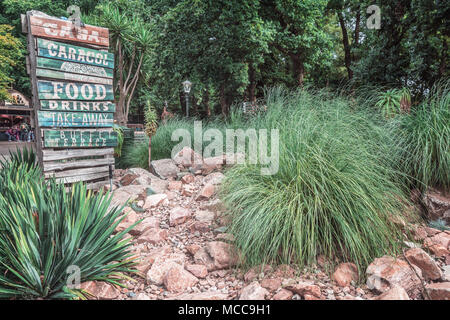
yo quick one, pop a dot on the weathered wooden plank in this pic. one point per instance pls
(54, 155)
(73, 67)
(56, 90)
(45, 73)
(79, 138)
(76, 172)
(66, 30)
(52, 166)
(71, 53)
(87, 177)
(74, 105)
(74, 119)
(97, 185)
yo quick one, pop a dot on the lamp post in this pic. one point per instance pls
(187, 88)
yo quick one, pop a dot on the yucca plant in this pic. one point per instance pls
(151, 125)
(389, 103)
(46, 230)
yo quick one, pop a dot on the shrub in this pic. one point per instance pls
(46, 229)
(335, 190)
(424, 135)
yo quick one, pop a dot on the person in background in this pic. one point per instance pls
(24, 131)
(13, 133)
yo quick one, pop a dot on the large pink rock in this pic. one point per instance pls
(345, 273)
(144, 225)
(421, 259)
(129, 219)
(271, 284)
(305, 288)
(395, 293)
(206, 192)
(178, 280)
(101, 290)
(437, 203)
(155, 200)
(283, 294)
(164, 168)
(153, 236)
(223, 254)
(253, 292)
(187, 158)
(438, 291)
(179, 215)
(198, 270)
(387, 272)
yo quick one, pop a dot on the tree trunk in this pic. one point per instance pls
(348, 57)
(252, 85)
(223, 100)
(358, 21)
(298, 69)
(206, 102)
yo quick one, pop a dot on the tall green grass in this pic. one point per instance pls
(335, 190)
(424, 135)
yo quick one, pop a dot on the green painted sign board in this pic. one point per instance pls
(67, 52)
(73, 67)
(75, 105)
(78, 138)
(44, 73)
(58, 90)
(75, 119)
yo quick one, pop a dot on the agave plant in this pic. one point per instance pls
(389, 103)
(46, 231)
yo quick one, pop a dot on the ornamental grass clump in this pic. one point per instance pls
(48, 233)
(334, 193)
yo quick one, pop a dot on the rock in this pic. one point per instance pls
(438, 244)
(155, 200)
(225, 237)
(214, 205)
(187, 157)
(386, 272)
(271, 284)
(159, 185)
(206, 192)
(187, 190)
(141, 296)
(146, 224)
(305, 288)
(144, 177)
(446, 273)
(223, 254)
(424, 262)
(101, 290)
(164, 168)
(188, 178)
(284, 270)
(202, 296)
(203, 257)
(128, 179)
(175, 185)
(395, 293)
(283, 294)
(204, 216)
(178, 280)
(200, 227)
(129, 219)
(144, 264)
(161, 266)
(124, 194)
(197, 270)
(253, 292)
(214, 178)
(212, 164)
(179, 215)
(153, 236)
(438, 291)
(193, 248)
(345, 273)
(437, 203)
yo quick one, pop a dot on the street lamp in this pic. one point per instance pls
(187, 88)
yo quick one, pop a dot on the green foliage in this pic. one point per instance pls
(335, 190)
(151, 120)
(45, 230)
(120, 138)
(389, 103)
(424, 135)
(10, 54)
(438, 224)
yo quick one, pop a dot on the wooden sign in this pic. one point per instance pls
(73, 67)
(66, 30)
(72, 86)
(75, 119)
(73, 105)
(56, 90)
(79, 138)
(71, 53)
